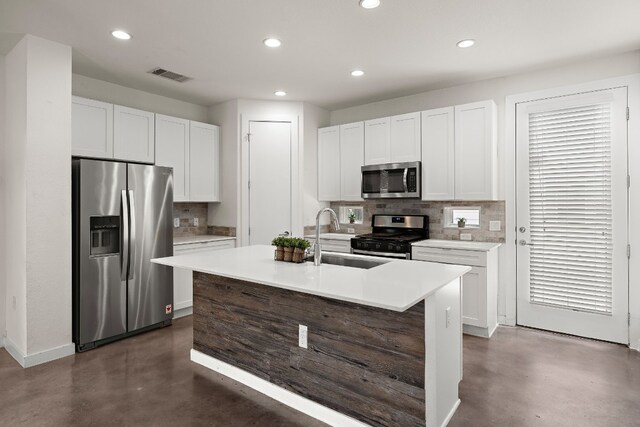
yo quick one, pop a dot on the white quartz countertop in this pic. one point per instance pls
(396, 285)
(332, 236)
(199, 239)
(457, 244)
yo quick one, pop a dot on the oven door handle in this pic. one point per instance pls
(404, 180)
(382, 254)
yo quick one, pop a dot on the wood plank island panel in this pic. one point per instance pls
(365, 362)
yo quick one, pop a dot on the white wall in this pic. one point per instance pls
(3, 204)
(226, 116)
(497, 89)
(314, 118)
(15, 196)
(38, 79)
(121, 95)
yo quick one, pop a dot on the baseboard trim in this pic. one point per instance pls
(27, 361)
(451, 413)
(478, 332)
(1, 342)
(286, 397)
(182, 312)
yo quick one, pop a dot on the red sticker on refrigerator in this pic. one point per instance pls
(167, 309)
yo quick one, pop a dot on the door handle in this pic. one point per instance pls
(133, 232)
(124, 258)
(286, 233)
(524, 243)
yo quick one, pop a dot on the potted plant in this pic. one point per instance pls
(461, 222)
(352, 216)
(287, 243)
(299, 245)
(278, 242)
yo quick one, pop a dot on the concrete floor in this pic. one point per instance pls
(519, 377)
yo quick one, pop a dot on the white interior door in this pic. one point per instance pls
(572, 198)
(269, 180)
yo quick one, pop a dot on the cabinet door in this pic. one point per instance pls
(377, 141)
(329, 164)
(204, 163)
(133, 135)
(405, 138)
(91, 128)
(474, 297)
(351, 160)
(475, 151)
(172, 150)
(438, 162)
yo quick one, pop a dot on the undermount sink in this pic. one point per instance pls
(348, 260)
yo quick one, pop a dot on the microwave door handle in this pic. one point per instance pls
(404, 180)
(133, 233)
(124, 260)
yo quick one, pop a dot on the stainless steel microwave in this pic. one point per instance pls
(392, 180)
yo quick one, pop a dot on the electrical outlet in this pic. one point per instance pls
(447, 313)
(465, 236)
(176, 222)
(302, 336)
(196, 222)
(495, 225)
(351, 230)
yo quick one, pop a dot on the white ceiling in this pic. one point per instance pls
(404, 46)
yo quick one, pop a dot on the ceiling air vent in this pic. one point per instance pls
(169, 75)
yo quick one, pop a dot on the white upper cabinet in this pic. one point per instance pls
(329, 164)
(377, 141)
(172, 150)
(133, 135)
(92, 128)
(476, 151)
(204, 162)
(405, 138)
(351, 160)
(438, 161)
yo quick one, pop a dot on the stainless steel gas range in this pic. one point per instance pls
(392, 236)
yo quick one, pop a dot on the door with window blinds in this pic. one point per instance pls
(572, 197)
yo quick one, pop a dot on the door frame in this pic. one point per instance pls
(296, 171)
(632, 82)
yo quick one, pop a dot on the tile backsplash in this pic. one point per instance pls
(489, 211)
(187, 213)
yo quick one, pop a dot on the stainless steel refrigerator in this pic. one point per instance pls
(122, 218)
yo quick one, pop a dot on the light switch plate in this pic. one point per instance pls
(465, 236)
(176, 222)
(494, 225)
(448, 317)
(196, 222)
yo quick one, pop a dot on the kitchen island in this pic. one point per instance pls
(382, 345)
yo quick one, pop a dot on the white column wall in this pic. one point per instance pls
(38, 83)
(3, 204)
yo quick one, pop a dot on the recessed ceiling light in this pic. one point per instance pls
(271, 42)
(369, 4)
(357, 73)
(122, 35)
(466, 43)
(279, 93)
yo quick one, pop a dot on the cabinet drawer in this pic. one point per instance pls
(450, 256)
(203, 247)
(331, 245)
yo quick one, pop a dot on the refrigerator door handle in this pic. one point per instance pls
(124, 263)
(133, 233)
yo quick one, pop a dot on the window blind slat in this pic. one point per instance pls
(570, 208)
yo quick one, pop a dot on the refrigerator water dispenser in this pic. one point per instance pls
(105, 235)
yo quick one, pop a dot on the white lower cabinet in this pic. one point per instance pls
(334, 245)
(479, 286)
(183, 279)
